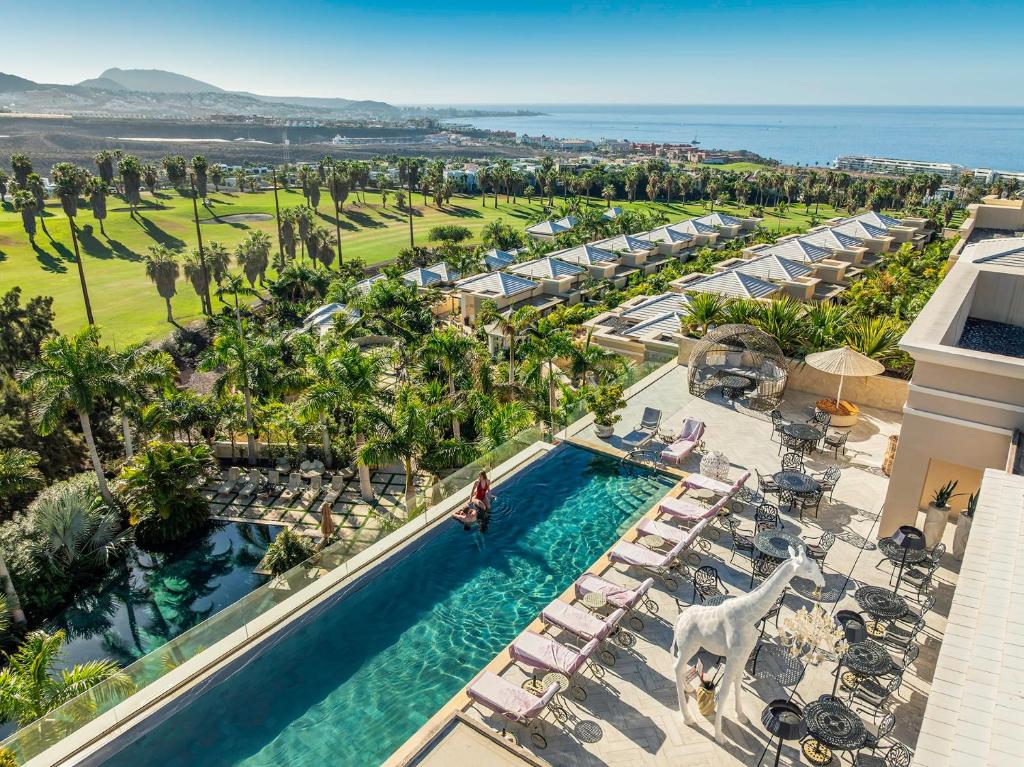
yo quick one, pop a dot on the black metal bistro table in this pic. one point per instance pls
(880, 603)
(895, 554)
(775, 544)
(834, 724)
(864, 659)
(732, 385)
(805, 432)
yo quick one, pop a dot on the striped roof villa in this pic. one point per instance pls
(668, 322)
(874, 218)
(665, 234)
(719, 219)
(585, 255)
(773, 267)
(733, 284)
(547, 267)
(862, 230)
(832, 238)
(797, 250)
(656, 306)
(496, 284)
(624, 243)
(693, 226)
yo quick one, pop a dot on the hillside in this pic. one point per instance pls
(156, 81)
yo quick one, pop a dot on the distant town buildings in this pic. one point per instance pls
(895, 167)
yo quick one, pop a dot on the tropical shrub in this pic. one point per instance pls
(604, 402)
(162, 490)
(286, 551)
(33, 683)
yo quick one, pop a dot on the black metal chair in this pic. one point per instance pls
(871, 695)
(766, 484)
(793, 462)
(772, 614)
(898, 755)
(828, 480)
(777, 423)
(767, 512)
(796, 444)
(821, 417)
(921, 580)
(806, 501)
(937, 553)
(818, 550)
(761, 567)
(740, 543)
(909, 657)
(913, 617)
(836, 442)
(901, 638)
(707, 583)
(874, 739)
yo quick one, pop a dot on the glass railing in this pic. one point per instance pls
(237, 624)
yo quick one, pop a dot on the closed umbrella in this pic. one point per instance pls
(844, 362)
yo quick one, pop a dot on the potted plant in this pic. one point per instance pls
(963, 526)
(603, 402)
(938, 513)
(843, 413)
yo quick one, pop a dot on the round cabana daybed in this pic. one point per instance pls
(742, 351)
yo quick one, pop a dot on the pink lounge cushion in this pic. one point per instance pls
(703, 482)
(579, 622)
(690, 512)
(692, 430)
(617, 595)
(506, 698)
(634, 554)
(670, 533)
(539, 651)
(679, 449)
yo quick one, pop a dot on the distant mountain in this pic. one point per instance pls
(101, 84)
(15, 84)
(155, 81)
(316, 102)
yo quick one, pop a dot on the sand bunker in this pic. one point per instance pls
(238, 218)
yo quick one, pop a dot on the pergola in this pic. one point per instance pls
(744, 351)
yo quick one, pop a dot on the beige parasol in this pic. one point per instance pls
(844, 362)
(326, 520)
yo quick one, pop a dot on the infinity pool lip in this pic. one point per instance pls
(111, 732)
(285, 720)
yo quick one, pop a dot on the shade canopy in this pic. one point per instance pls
(845, 362)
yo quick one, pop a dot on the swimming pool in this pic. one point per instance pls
(351, 686)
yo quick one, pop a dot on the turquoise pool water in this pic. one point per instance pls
(351, 686)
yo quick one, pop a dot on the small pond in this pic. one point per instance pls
(156, 597)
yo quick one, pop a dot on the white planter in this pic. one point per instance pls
(963, 532)
(934, 524)
(604, 432)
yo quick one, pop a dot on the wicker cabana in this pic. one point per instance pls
(739, 351)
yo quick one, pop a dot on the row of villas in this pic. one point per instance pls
(892, 166)
(814, 266)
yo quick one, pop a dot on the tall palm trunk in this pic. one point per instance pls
(410, 486)
(325, 437)
(13, 603)
(277, 215)
(365, 488)
(170, 314)
(81, 273)
(456, 425)
(511, 360)
(94, 456)
(126, 431)
(337, 227)
(250, 428)
(412, 241)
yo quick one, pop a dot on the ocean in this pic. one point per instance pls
(986, 137)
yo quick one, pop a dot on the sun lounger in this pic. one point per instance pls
(253, 484)
(717, 486)
(586, 625)
(661, 564)
(619, 596)
(311, 492)
(669, 533)
(646, 431)
(690, 513)
(337, 484)
(536, 651)
(685, 443)
(229, 484)
(512, 702)
(294, 487)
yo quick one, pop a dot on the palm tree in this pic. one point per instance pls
(196, 274)
(71, 182)
(452, 350)
(784, 320)
(19, 473)
(34, 682)
(545, 342)
(409, 173)
(98, 191)
(73, 374)
(22, 168)
(704, 310)
(875, 337)
(338, 186)
(608, 193)
(25, 203)
(589, 358)
(35, 186)
(511, 326)
(253, 255)
(218, 260)
(163, 270)
(200, 166)
(150, 177)
(104, 160)
(139, 369)
(131, 179)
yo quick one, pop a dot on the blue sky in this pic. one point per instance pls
(462, 52)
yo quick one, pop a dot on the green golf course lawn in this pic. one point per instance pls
(126, 304)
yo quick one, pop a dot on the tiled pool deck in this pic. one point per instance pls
(630, 718)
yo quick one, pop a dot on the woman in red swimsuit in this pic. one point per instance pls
(482, 491)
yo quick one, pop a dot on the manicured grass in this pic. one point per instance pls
(127, 306)
(738, 167)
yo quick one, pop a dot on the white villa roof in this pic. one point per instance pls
(422, 277)
(610, 214)
(693, 226)
(446, 272)
(1004, 251)
(666, 234)
(363, 286)
(625, 243)
(773, 267)
(833, 239)
(553, 226)
(668, 322)
(496, 284)
(323, 318)
(861, 229)
(498, 259)
(734, 285)
(880, 220)
(797, 250)
(585, 255)
(657, 306)
(548, 267)
(719, 219)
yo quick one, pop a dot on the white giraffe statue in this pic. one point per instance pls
(728, 630)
